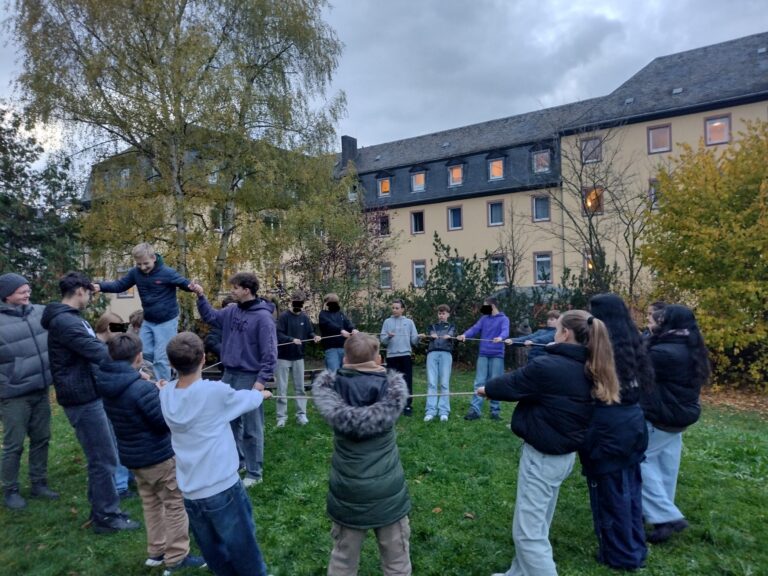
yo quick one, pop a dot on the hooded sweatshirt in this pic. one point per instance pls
(488, 328)
(248, 335)
(199, 417)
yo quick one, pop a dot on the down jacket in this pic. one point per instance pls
(554, 398)
(73, 349)
(23, 351)
(367, 483)
(133, 406)
(157, 290)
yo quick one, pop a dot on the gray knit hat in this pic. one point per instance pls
(9, 283)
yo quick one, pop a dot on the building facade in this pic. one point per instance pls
(537, 193)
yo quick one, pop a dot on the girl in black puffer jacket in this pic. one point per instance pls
(681, 365)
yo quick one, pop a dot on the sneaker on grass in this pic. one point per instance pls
(154, 561)
(188, 562)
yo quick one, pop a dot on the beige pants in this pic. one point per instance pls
(164, 513)
(394, 549)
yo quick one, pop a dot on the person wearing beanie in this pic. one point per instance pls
(335, 328)
(24, 381)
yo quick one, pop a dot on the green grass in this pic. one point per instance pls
(461, 477)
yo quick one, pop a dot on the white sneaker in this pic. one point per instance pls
(248, 481)
(443, 418)
(281, 423)
(302, 421)
(428, 418)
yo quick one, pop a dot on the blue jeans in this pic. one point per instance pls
(487, 368)
(226, 534)
(154, 338)
(94, 433)
(659, 470)
(248, 428)
(438, 374)
(334, 358)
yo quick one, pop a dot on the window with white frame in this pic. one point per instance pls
(498, 269)
(653, 198)
(419, 273)
(352, 193)
(385, 275)
(418, 181)
(417, 222)
(496, 169)
(659, 139)
(496, 213)
(542, 161)
(384, 185)
(456, 175)
(542, 266)
(717, 130)
(454, 218)
(458, 268)
(591, 150)
(540, 208)
(384, 225)
(125, 176)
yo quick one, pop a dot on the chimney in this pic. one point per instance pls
(348, 150)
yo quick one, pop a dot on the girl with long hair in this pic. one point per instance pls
(681, 363)
(555, 394)
(616, 443)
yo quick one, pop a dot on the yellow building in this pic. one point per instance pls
(539, 191)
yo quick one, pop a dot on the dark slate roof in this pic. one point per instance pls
(714, 75)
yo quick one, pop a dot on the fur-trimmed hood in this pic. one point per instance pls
(359, 422)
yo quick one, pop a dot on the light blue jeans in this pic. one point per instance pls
(538, 484)
(334, 357)
(487, 368)
(659, 471)
(248, 428)
(155, 338)
(296, 369)
(438, 375)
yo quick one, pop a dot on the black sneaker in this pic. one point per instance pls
(664, 531)
(407, 411)
(188, 562)
(495, 416)
(14, 501)
(472, 415)
(115, 523)
(41, 490)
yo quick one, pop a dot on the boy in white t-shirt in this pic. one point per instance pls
(198, 412)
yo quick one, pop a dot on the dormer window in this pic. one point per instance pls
(541, 161)
(384, 186)
(456, 175)
(418, 181)
(496, 169)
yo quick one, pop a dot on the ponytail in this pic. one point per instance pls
(592, 333)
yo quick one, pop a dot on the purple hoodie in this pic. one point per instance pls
(248, 335)
(487, 328)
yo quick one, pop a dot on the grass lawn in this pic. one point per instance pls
(461, 477)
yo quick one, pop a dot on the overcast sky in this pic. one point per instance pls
(411, 67)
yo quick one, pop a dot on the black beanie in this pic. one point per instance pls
(9, 283)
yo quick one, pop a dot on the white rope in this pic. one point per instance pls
(409, 396)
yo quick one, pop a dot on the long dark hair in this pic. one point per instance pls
(633, 365)
(680, 320)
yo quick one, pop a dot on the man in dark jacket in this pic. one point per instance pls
(24, 381)
(335, 327)
(73, 350)
(293, 329)
(157, 284)
(249, 356)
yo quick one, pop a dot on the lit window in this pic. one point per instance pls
(540, 208)
(419, 273)
(542, 263)
(593, 200)
(659, 139)
(498, 270)
(385, 275)
(591, 150)
(495, 213)
(717, 130)
(496, 169)
(418, 182)
(541, 161)
(384, 185)
(589, 262)
(456, 175)
(454, 218)
(383, 225)
(653, 198)
(417, 222)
